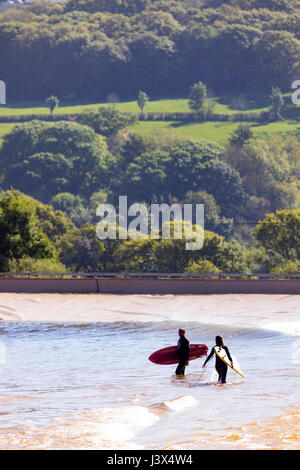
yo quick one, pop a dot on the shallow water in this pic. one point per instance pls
(91, 385)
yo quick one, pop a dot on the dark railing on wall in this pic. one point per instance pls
(122, 275)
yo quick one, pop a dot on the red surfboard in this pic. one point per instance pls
(170, 355)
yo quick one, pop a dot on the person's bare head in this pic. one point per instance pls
(181, 332)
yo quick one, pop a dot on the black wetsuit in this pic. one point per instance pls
(221, 367)
(184, 354)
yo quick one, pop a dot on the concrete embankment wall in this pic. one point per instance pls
(151, 286)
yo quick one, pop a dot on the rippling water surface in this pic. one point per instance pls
(90, 385)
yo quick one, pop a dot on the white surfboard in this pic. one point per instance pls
(221, 353)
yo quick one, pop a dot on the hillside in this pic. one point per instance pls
(99, 49)
(238, 152)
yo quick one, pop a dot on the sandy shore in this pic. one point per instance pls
(245, 309)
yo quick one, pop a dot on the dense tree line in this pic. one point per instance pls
(36, 238)
(92, 49)
(54, 173)
(76, 165)
(72, 167)
(43, 159)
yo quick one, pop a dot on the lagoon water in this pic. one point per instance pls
(67, 383)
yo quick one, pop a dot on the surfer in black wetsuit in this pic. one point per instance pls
(221, 367)
(183, 348)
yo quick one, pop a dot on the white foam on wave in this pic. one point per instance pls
(289, 327)
(181, 403)
(96, 429)
(108, 428)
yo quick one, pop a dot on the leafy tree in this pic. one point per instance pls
(197, 96)
(143, 99)
(279, 235)
(229, 257)
(145, 177)
(127, 7)
(277, 102)
(27, 264)
(199, 166)
(82, 251)
(280, 5)
(277, 58)
(289, 267)
(20, 232)
(98, 197)
(201, 266)
(162, 46)
(241, 134)
(225, 184)
(186, 164)
(43, 174)
(106, 120)
(54, 223)
(161, 23)
(257, 207)
(134, 256)
(52, 102)
(269, 169)
(43, 159)
(135, 146)
(146, 49)
(66, 202)
(170, 255)
(213, 221)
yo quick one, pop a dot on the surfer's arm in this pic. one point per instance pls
(228, 354)
(212, 352)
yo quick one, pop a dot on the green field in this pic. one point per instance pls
(218, 132)
(212, 131)
(175, 105)
(165, 106)
(282, 128)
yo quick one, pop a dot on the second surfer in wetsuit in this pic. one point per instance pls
(183, 348)
(221, 367)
